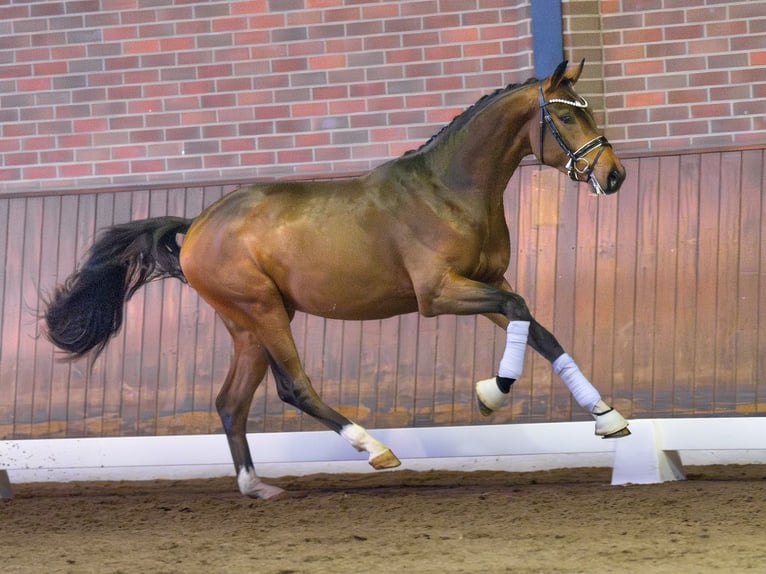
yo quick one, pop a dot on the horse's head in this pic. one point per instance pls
(567, 138)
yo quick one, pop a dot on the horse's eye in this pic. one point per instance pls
(565, 119)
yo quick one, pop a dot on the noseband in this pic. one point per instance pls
(578, 167)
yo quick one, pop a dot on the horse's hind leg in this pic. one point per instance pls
(271, 323)
(247, 369)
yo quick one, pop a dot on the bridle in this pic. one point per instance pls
(578, 167)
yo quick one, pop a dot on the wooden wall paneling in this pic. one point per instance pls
(584, 279)
(153, 310)
(406, 364)
(565, 265)
(525, 247)
(204, 387)
(545, 198)
(29, 250)
(443, 367)
(625, 304)
(646, 277)
(666, 287)
(389, 412)
(464, 372)
(133, 328)
(61, 371)
(425, 373)
(332, 365)
(7, 387)
(685, 352)
(169, 333)
(707, 283)
(749, 276)
(97, 385)
(192, 411)
(350, 359)
(729, 250)
(44, 282)
(760, 391)
(604, 265)
(369, 364)
(117, 392)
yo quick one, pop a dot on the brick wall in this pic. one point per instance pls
(122, 92)
(115, 92)
(684, 74)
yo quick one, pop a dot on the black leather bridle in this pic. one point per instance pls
(578, 167)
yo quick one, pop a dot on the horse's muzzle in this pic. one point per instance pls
(614, 180)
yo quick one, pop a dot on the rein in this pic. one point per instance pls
(578, 165)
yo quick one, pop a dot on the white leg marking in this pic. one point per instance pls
(512, 363)
(361, 440)
(252, 486)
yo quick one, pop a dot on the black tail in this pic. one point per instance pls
(87, 309)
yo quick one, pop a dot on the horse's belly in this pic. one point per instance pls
(344, 296)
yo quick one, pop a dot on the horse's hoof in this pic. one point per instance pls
(609, 422)
(620, 433)
(266, 492)
(484, 409)
(489, 396)
(386, 459)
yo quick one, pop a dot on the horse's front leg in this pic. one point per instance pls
(492, 392)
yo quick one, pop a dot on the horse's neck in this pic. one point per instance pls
(482, 155)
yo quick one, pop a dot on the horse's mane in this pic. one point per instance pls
(464, 117)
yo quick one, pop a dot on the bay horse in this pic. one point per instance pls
(424, 232)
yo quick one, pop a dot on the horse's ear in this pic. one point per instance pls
(573, 74)
(558, 75)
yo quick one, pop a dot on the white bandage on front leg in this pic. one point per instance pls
(512, 363)
(491, 396)
(608, 421)
(583, 392)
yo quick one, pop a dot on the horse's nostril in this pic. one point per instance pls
(614, 180)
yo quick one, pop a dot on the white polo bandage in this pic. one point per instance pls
(512, 363)
(582, 390)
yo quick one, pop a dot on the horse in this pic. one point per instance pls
(423, 232)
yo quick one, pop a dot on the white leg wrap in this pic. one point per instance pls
(583, 392)
(512, 363)
(251, 485)
(361, 440)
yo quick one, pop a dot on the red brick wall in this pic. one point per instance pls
(94, 94)
(102, 93)
(685, 74)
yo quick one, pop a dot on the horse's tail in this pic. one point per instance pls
(87, 309)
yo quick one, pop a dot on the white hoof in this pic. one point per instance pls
(609, 422)
(490, 396)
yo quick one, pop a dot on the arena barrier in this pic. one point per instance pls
(655, 452)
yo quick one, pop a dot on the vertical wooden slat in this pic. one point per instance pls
(685, 288)
(747, 351)
(646, 295)
(728, 281)
(707, 284)
(666, 288)
(625, 304)
(604, 262)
